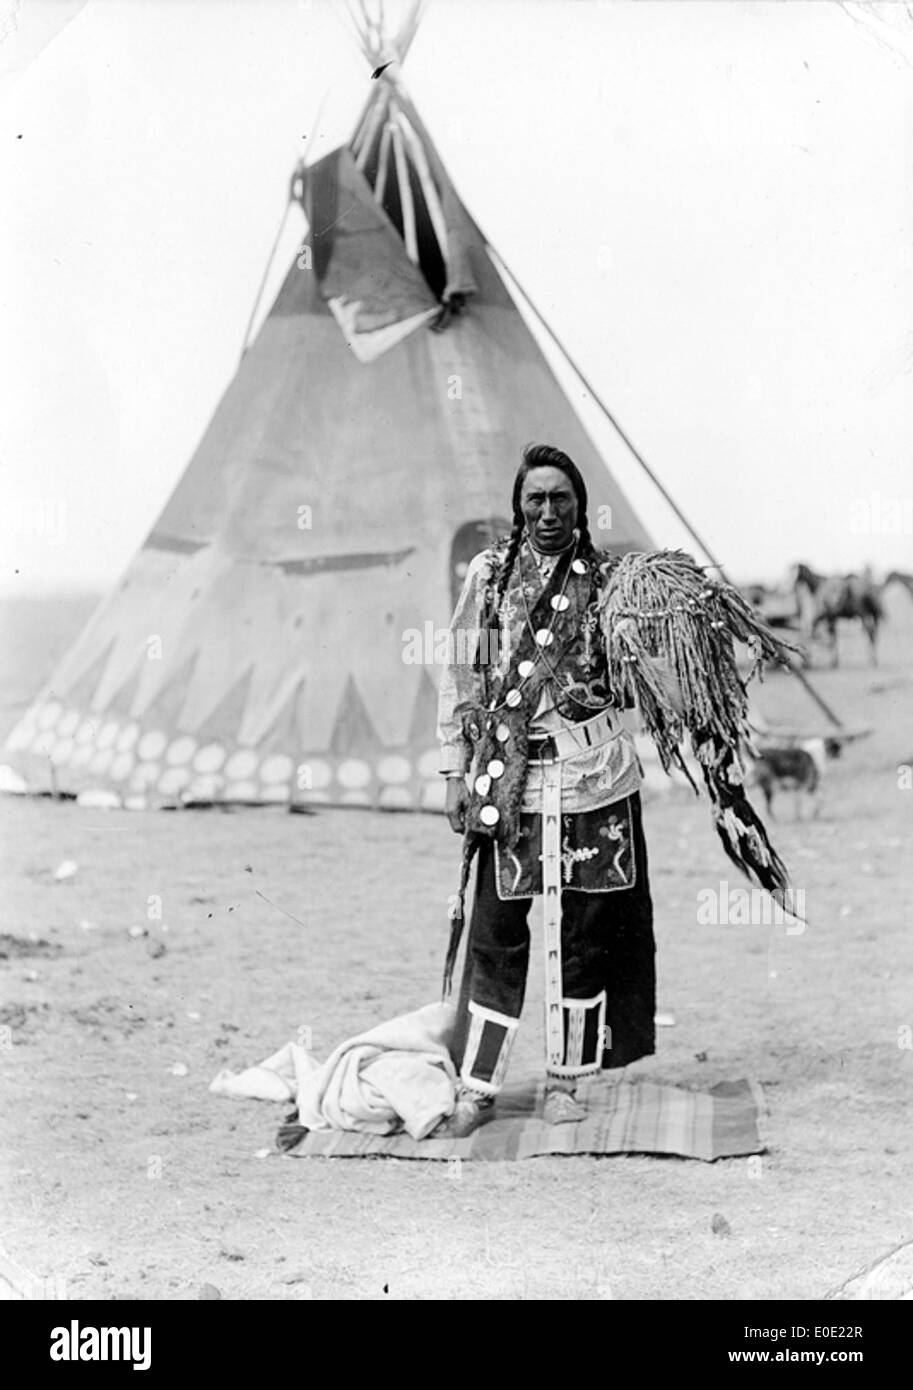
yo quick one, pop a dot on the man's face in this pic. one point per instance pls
(550, 508)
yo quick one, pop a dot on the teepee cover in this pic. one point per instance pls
(278, 635)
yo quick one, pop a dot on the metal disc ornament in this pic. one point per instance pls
(502, 733)
(483, 784)
(526, 668)
(489, 815)
(496, 768)
(513, 698)
(543, 637)
(560, 602)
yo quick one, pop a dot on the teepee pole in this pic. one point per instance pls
(625, 438)
(372, 35)
(263, 279)
(622, 434)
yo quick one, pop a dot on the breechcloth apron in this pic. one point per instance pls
(597, 936)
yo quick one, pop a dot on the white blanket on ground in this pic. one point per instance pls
(398, 1075)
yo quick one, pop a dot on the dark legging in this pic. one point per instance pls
(606, 943)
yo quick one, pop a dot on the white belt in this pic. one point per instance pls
(574, 738)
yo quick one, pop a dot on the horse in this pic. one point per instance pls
(825, 600)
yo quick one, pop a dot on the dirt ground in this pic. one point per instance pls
(125, 1179)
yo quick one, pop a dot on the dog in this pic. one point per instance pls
(791, 767)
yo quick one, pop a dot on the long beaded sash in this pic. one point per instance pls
(499, 731)
(551, 910)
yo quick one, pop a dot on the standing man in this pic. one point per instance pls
(544, 782)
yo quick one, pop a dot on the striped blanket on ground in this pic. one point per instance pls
(627, 1117)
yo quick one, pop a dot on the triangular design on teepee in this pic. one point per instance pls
(164, 711)
(353, 733)
(424, 713)
(222, 723)
(123, 704)
(81, 694)
(377, 417)
(117, 670)
(283, 734)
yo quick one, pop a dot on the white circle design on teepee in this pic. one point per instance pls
(241, 791)
(145, 775)
(22, 735)
(205, 788)
(44, 742)
(395, 798)
(81, 754)
(241, 765)
(101, 760)
(354, 772)
(210, 758)
(429, 763)
(278, 768)
(127, 737)
(355, 799)
(121, 767)
(276, 791)
(173, 780)
(320, 775)
(87, 731)
(181, 750)
(107, 734)
(151, 745)
(68, 723)
(62, 751)
(99, 799)
(394, 769)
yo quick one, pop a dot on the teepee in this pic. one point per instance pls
(277, 637)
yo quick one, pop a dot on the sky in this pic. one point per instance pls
(711, 203)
